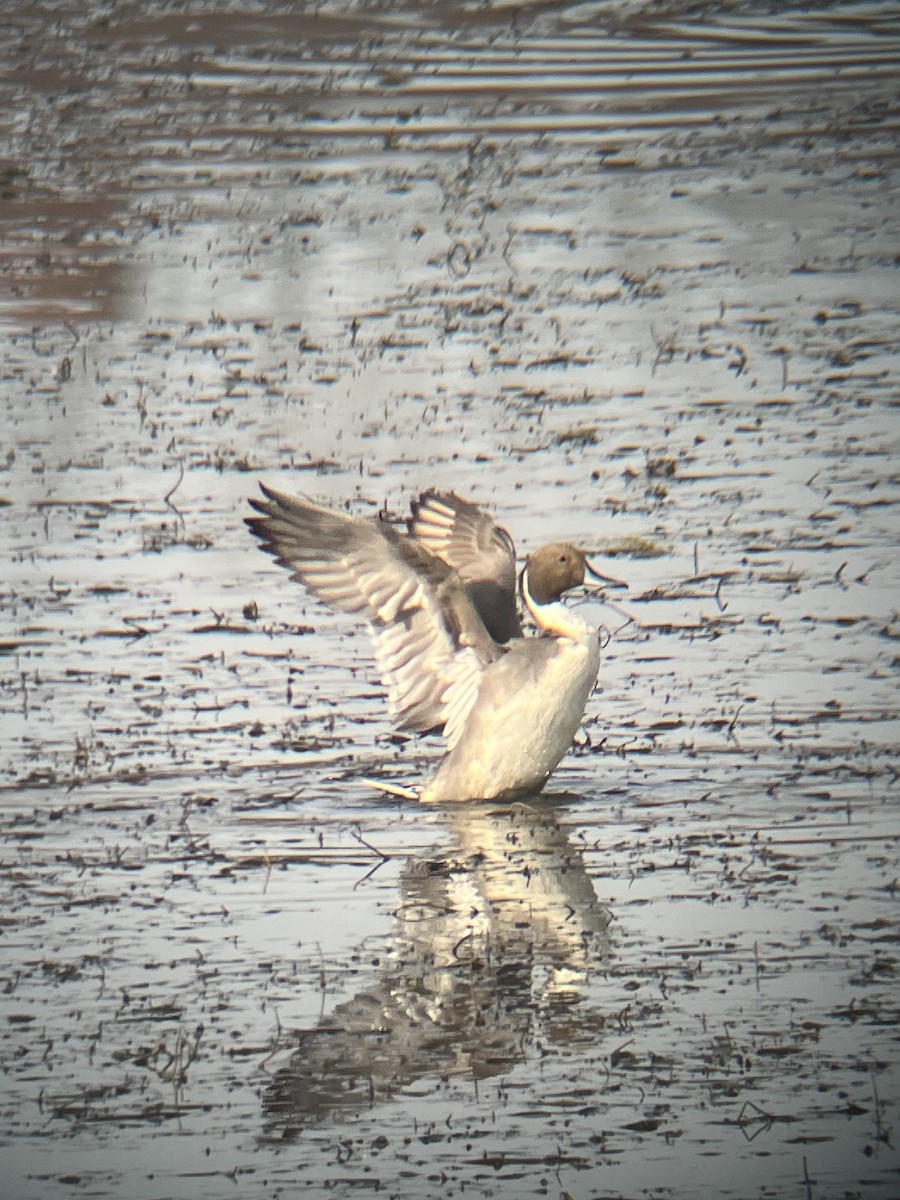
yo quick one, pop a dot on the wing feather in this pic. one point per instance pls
(460, 694)
(431, 645)
(480, 551)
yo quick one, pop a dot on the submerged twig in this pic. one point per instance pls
(171, 492)
(762, 1119)
(174, 488)
(368, 845)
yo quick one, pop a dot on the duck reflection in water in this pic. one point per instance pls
(495, 937)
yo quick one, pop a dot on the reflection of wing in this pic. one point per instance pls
(483, 554)
(430, 644)
(505, 926)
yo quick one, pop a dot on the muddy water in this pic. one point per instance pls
(625, 272)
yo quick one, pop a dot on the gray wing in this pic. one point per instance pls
(431, 646)
(480, 551)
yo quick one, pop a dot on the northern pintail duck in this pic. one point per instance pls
(440, 600)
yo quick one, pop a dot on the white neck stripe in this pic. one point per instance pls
(554, 617)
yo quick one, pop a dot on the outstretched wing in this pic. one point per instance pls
(430, 644)
(480, 551)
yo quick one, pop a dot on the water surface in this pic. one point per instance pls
(620, 272)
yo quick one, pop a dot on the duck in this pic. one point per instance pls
(439, 595)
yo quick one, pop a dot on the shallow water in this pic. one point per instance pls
(620, 272)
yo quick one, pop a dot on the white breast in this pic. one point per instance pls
(529, 707)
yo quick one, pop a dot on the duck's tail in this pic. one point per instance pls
(392, 789)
